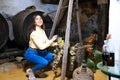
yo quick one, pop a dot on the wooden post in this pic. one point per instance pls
(62, 12)
(59, 14)
(56, 19)
(78, 21)
(67, 34)
(78, 55)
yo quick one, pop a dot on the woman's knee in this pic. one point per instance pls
(44, 63)
(40, 65)
(49, 56)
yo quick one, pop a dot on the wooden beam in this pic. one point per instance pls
(67, 35)
(63, 10)
(78, 21)
(56, 19)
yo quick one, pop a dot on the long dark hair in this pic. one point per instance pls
(32, 25)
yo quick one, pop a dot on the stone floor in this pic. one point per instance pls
(9, 71)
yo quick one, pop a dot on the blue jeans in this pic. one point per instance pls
(40, 57)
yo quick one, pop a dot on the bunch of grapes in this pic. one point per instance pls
(58, 53)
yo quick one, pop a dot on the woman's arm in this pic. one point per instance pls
(40, 42)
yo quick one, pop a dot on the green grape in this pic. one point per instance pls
(60, 41)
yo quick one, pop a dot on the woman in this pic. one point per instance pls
(38, 41)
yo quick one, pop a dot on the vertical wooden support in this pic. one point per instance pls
(63, 10)
(60, 13)
(78, 21)
(78, 55)
(56, 18)
(67, 34)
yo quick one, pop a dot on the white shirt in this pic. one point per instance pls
(39, 40)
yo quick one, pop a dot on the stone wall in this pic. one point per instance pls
(12, 7)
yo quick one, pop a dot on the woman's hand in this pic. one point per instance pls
(54, 37)
(55, 44)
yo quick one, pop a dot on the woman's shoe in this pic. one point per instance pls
(30, 74)
(39, 74)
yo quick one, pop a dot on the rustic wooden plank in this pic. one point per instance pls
(63, 10)
(56, 18)
(78, 21)
(67, 35)
(78, 55)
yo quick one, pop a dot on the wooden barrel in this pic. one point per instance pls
(20, 25)
(4, 31)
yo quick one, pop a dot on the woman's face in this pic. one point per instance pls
(38, 20)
